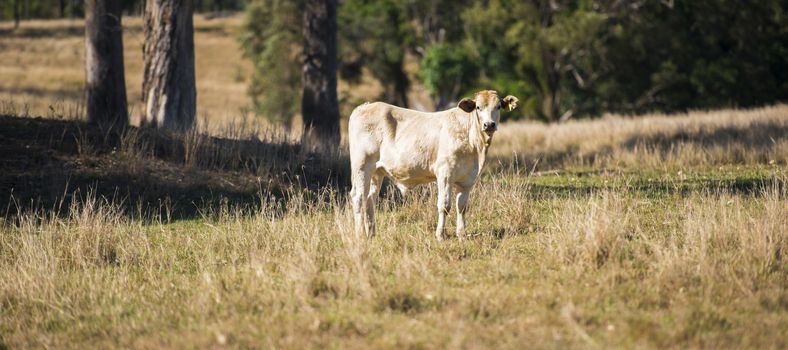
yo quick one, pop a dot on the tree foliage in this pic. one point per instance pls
(273, 41)
(563, 58)
(445, 70)
(699, 54)
(376, 35)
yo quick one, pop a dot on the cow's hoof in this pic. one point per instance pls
(440, 238)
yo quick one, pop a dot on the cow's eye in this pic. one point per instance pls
(478, 108)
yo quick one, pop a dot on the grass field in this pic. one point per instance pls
(661, 231)
(42, 70)
(656, 231)
(42, 66)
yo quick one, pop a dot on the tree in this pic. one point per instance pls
(380, 34)
(105, 81)
(674, 56)
(552, 54)
(17, 12)
(275, 47)
(377, 35)
(319, 104)
(445, 67)
(537, 49)
(168, 88)
(446, 71)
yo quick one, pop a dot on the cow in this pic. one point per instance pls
(412, 147)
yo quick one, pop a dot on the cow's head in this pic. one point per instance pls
(486, 106)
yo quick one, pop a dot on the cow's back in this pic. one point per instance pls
(404, 142)
(384, 124)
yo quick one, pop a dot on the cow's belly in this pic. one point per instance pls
(408, 170)
(410, 177)
(410, 174)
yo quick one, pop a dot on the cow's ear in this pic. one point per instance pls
(510, 102)
(467, 105)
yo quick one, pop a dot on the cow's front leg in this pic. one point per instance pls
(444, 205)
(462, 202)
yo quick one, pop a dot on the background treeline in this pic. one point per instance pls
(564, 58)
(47, 9)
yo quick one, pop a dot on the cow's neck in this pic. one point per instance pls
(479, 139)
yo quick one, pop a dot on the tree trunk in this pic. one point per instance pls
(169, 91)
(319, 105)
(401, 84)
(17, 13)
(551, 104)
(105, 80)
(62, 8)
(553, 90)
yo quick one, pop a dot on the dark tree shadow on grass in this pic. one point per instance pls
(46, 164)
(759, 136)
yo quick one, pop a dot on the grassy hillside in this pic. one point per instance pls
(42, 70)
(42, 66)
(653, 232)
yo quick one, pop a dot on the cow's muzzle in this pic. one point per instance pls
(490, 127)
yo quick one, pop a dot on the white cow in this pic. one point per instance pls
(413, 148)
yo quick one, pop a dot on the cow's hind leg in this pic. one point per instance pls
(372, 197)
(444, 205)
(361, 175)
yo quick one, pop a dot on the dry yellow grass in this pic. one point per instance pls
(42, 71)
(657, 141)
(42, 66)
(639, 256)
(607, 270)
